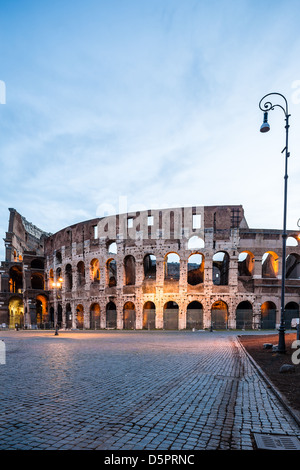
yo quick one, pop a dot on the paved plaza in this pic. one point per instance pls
(133, 390)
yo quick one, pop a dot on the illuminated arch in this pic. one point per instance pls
(219, 315)
(149, 315)
(245, 263)
(95, 270)
(269, 265)
(80, 316)
(95, 316)
(268, 315)
(15, 312)
(171, 315)
(129, 316)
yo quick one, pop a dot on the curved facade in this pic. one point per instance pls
(181, 268)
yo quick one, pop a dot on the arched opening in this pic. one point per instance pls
(42, 318)
(58, 274)
(244, 316)
(245, 263)
(220, 268)
(219, 315)
(293, 266)
(39, 313)
(15, 280)
(195, 243)
(172, 267)
(150, 266)
(112, 248)
(171, 311)
(16, 312)
(58, 257)
(79, 316)
(37, 264)
(129, 270)
(95, 317)
(268, 316)
(111, 315)
(95, 270)
(80, 274)
(68, 278)
(195, 269)
(51, 278)
(129, 316)
(149, 316)
(111, 272)
(37, 281)
(68, 316)
(292, 241)
(194, 316)
(269, 265)
(58, 283)
(291, 311)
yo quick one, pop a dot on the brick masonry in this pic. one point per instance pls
(95, 276)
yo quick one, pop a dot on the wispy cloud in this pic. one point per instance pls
(156, 101)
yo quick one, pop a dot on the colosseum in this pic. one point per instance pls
(179, 268)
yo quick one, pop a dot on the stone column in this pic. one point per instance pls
(119, 307)
(206, 313)
(181, 315)
(138, 310)
(257, 270)
(159, 318)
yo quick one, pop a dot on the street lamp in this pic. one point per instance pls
(57, 285)
(265, 127)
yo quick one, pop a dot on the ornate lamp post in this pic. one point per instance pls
(267, 106)
(57, 286)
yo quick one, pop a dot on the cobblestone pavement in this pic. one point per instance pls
(117, 390)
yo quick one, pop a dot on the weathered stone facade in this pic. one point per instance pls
(195, 267)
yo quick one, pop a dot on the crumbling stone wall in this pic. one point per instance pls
(22, 295)
(159, 233)
(134, 270)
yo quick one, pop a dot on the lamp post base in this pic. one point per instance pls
(281, 340)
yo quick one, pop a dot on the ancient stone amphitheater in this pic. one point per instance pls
(179, 268)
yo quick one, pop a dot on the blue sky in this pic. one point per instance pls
(154, 103)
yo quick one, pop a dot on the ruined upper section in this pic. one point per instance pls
(22, 237)
(165, 224)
